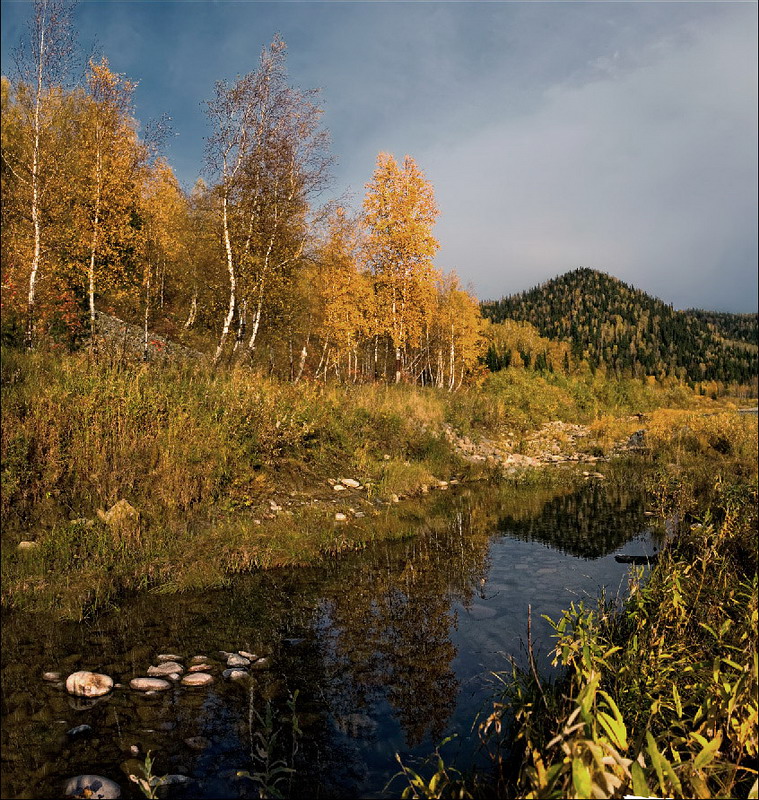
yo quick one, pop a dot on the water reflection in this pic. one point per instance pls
(387, 648)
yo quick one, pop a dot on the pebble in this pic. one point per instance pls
(199, 659)
(246, 654)
(262, 663)
(25, 546)
(200, 667)
(149, 684)
(351, 483)
(237, 661)
(235, 674)
(340, 517)
(52, 677)
(88, 684)
(197, 742)
(165, 668)
(168, 657)
(338, 487)
(197, 679)
(80, 730)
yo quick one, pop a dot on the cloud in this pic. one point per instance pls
(647, 171)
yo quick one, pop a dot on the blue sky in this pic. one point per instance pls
(620, 136)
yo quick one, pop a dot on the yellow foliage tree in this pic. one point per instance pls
(399, 211)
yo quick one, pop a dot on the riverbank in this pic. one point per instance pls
(657, 698)
(229, 471)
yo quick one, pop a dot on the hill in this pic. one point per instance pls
(609, 323)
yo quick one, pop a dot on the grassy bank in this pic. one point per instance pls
(229, 470)
(658, 698)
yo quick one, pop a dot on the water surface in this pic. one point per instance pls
(389, 650)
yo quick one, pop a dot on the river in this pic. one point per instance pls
(389, 650)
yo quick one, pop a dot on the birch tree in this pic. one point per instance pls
(42, 62)
(268, 154)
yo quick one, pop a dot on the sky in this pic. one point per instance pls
(620, 136)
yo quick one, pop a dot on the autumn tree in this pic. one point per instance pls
(113, 154)
(164, 231)
(268, 154)
(399, 211)
(344, 292)
(42, 62)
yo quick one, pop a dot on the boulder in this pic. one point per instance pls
(88, 684)
(149, 684)
(93, 786)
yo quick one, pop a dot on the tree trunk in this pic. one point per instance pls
(232, 283)
(29, 336)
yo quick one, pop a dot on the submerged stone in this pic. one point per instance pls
(165, 668)
(93, 786)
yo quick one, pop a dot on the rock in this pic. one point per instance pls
(166, 668)
(351, 483)
(199, 659)
(262, 663)
(174, 676)
(167, 657)
(149, 684)
(197, 742)
(359, 514)
(237, 661)
(638, 439)
(123, 519)
(134, 749)
(92, 786)
(88, 684)
(197, 679)
(338, 487)
(394, 498)
(200, 668)
(80, 730)
(27, 546)
(52, 677)
(234, 674)
(340, 517)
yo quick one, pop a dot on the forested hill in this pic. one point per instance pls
(733, 327)
(610, 323)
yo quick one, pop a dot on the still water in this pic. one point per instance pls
(389, 650)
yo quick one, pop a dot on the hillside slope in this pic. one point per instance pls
(607, 322)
